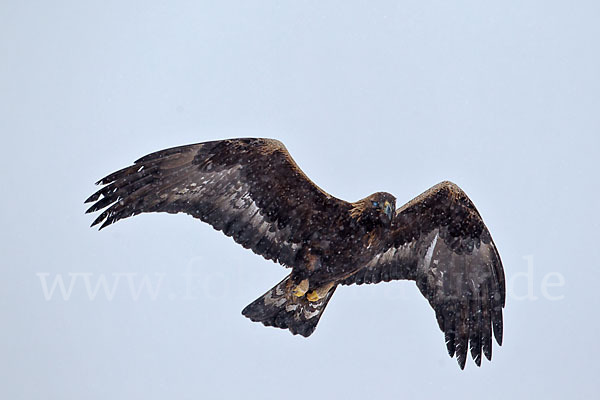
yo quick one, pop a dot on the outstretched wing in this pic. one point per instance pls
(440, 241)
(251, 189)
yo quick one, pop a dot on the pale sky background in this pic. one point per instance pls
(501, 97)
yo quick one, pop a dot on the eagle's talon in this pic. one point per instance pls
(301, 289)
(313, 295)
(319, 293)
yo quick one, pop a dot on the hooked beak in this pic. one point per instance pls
(388, 210)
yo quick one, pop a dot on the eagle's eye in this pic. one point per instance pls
(375, 204)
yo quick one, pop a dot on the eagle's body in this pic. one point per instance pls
(253, 191)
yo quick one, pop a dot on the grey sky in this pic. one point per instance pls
(502, 98)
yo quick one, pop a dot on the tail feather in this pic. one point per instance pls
(281, 309)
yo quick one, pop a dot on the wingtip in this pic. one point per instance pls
(498, 337)
(462, 361)
(498, 328)
(476, 354)
(92, 198)
(105, 224)
(98, 220)
(99, 228)
(450, 344)
(487, 351)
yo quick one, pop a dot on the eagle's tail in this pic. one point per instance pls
(280, 308)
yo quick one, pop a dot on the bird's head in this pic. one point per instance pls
(378, 207)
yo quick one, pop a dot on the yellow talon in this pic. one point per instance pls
(319, 293)
(312, 295)
(301, 289)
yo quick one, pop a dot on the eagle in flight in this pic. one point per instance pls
(252, 190)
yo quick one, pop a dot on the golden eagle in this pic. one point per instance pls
(252, 190)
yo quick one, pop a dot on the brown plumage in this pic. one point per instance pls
(253, 191)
